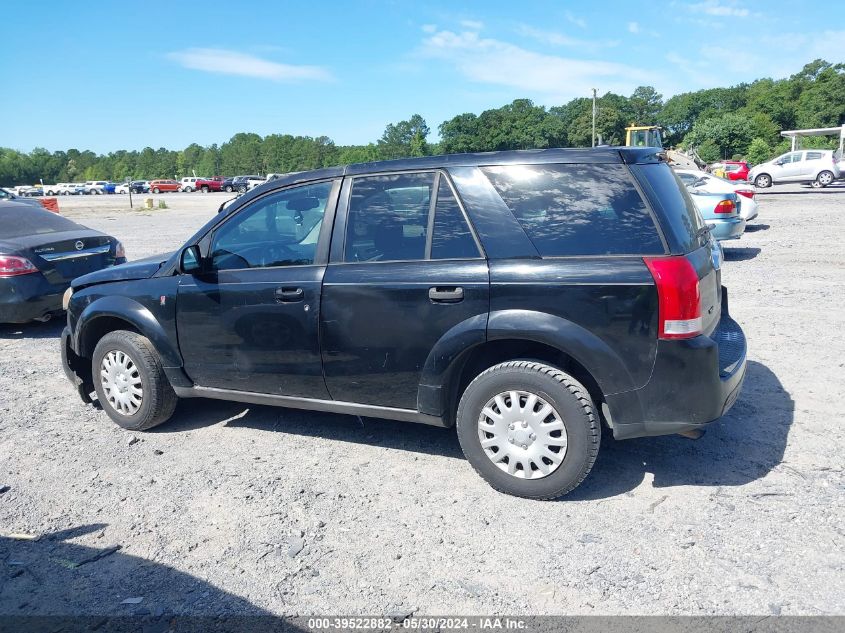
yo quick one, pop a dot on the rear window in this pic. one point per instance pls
(18, 220)
(569, 210)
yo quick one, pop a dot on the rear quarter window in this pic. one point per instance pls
(571, 210)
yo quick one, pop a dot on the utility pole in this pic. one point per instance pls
(594, 117)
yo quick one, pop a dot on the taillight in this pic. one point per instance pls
(11, 266)
(746, 192)
(678, 297)
(725, 206)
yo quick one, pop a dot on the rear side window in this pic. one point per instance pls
(388, 217)
(571, 210)
(813, 155)
(450, 237)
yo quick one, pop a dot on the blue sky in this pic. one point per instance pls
(106, 75)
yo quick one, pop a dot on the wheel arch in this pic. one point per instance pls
(468, 349)
(111, 313)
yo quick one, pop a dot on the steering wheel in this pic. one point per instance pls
(277, 253)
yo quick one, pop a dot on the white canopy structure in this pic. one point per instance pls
(821, 131)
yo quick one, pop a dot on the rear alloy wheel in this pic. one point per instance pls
(228, 188)
(130, 382)
(529, 429)
(188, 189)
(763, 181)
(824, 178)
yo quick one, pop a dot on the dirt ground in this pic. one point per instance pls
(234, 509)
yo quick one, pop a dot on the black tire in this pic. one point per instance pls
(156, 190)
(204, 189)
(158, 400)
(242, 189)
(824, 178)
(228, 188)
(566, 395)
(763, 181)
(188, 189)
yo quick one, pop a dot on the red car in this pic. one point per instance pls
(161, 186)
(736, 170)
(210, 184)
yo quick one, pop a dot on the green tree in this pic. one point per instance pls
(645, 104)
(759, 151)
(406, 138)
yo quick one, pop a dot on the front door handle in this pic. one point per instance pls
(446, 295)
(288, 294)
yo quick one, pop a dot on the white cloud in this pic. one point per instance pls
(226, 62)
(496, 62)
(633, 27)
(560, 39)
(579, 22)
(472, 25)
(717, 8)
(429, 28)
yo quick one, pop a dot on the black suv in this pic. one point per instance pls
(526, 297)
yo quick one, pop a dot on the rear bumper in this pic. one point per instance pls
(28, 297)
(728, 229)
(694, 383)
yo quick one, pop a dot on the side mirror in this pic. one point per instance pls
(190, 261)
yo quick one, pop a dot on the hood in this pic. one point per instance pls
(139, 269)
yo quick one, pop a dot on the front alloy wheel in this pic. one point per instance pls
(130, 382)
(763, 181)
(121, 382)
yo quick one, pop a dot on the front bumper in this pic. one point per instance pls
(694, 382)
(76, 368)
(727, 229)
(25, 298)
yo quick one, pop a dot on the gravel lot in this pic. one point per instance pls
(234, 509)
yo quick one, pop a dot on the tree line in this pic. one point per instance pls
(742, 121)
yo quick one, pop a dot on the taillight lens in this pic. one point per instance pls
(678, 297)
(119, 251)
(11, 266)
(746, 193)
(725, 206)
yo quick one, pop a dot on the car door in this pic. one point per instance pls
(405, 270)
(250, 320)
(791, 167)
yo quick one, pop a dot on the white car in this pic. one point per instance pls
(94, 187)
(63, 189)
(188, 184)
(708, 183)
(124, 188)
(817, 166)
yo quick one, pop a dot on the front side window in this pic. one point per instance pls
(388, 217)
(281, 229)
(568, 210)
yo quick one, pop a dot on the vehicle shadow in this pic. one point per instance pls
(87, 586)
(743, 446)
(753, 228)
(740, 253)
(196, 413)
(35, 330)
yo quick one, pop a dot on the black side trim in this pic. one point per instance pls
(310, 404)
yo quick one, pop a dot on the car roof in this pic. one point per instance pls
(596, 155)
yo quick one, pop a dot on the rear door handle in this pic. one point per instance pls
(446, 295)
(288, 295)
